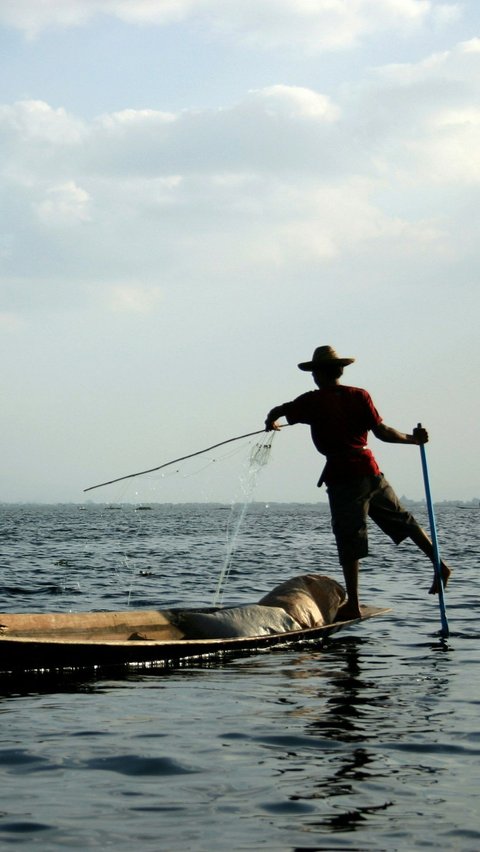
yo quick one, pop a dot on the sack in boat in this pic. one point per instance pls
(311, 599)
(249, 620)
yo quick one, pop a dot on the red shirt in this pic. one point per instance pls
(339, 417)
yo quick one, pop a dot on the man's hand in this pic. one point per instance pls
(271, 423)
(420, 435)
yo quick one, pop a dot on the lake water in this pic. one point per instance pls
(370, 743)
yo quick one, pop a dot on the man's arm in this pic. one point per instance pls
(393, 436)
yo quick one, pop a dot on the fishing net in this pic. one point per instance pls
(259, 457)
(227, 466)
(260, 453)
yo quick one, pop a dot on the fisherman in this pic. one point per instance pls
(340, 418)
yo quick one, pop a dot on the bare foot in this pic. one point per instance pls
(446, 572)
(348, 612)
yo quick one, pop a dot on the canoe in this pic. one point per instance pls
(75, 642)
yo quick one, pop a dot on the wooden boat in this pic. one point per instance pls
(62, 642)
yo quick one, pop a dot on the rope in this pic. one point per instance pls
(174, 461)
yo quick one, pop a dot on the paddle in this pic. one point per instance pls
(436, 551)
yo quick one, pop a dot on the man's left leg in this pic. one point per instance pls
(398, 523)
(421, 539)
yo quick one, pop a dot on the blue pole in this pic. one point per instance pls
(436, 551)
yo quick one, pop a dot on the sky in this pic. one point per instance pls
(195, 194)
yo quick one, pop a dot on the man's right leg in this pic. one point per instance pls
(351, 607)
(349, 507)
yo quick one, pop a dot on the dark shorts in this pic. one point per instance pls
(367, 496)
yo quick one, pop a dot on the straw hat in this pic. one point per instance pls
(324, 355)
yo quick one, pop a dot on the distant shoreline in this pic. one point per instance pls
(90, 504)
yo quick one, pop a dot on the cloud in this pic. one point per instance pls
(297, 102)
(64, 205)
(131, 207)
(453, 64)
(437, 100)
(324, 25)
(133, 297)
(265, 131)
(9, 321)
(314, 24)
(34, 120)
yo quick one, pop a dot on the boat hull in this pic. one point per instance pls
(89, 641)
